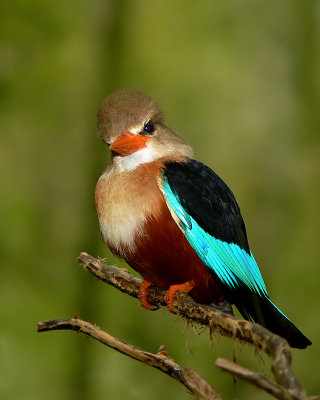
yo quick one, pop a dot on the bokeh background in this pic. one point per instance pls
(240, 81)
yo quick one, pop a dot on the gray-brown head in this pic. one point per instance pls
(131, 123)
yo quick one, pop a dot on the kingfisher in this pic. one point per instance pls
(173, 219)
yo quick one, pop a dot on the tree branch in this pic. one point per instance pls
(287, 386)
(189, 378)
(256, 379)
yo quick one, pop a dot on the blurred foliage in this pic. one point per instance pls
(240, 81)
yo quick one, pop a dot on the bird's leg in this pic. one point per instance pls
(173, 289)
(143, 292)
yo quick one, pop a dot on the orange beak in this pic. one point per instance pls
(128, 143)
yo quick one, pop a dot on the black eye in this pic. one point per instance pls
(148, 128)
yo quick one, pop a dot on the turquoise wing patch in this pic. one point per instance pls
(229, 262)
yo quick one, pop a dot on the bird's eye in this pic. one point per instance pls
(148, 129)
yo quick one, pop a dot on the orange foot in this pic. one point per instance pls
(143, 292)
(173, 289)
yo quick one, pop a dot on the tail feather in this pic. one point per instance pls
(263, 311)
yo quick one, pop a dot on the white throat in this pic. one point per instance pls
(135, 159)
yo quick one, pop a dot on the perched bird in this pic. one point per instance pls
(172, 219)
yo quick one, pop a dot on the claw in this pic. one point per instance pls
(173, 289)
(143, 292)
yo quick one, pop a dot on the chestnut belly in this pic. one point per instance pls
(164, 257)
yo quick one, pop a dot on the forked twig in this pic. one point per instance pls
(160, 360)
(286, 385)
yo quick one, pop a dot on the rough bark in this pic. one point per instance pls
(285, 387)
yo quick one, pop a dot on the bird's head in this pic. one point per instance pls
(131, 123)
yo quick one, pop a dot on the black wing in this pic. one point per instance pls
(205, 196)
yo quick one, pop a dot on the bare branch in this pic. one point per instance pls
(218, 321)
(258, 380)
(189, 378)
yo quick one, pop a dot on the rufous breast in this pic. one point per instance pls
(124, 201)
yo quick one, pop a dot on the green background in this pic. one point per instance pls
(240, 81)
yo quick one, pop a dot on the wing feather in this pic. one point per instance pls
(234, 265)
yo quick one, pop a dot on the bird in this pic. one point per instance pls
(173, 219)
